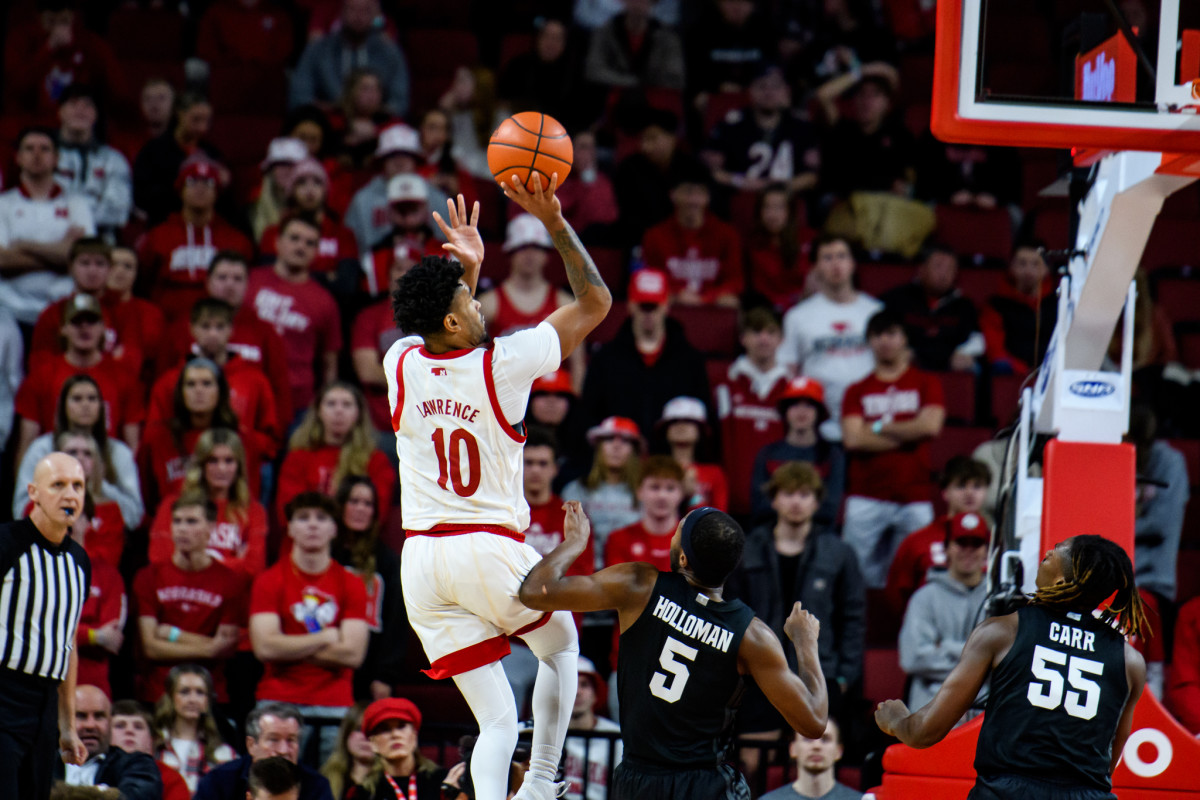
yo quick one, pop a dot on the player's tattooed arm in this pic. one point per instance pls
(581, 270)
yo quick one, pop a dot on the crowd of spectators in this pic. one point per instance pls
(194, 302)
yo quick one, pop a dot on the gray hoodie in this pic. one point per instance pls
(939, 618)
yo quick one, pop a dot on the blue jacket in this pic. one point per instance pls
(228, 782)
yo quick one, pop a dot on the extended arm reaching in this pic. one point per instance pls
(575, 320)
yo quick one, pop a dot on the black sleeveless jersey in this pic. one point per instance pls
(678, 676)
(1055, 701)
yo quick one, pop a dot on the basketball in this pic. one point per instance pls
(530, 144)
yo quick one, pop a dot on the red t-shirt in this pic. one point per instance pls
(250, 397)
(197, 602)
(175, 255)
(749, 422)
(312, 470)
(635, 543)
(37, 397)
(919, 551)
(378, 270)
(711, 488)
(240, 544)
(707, 260)
(106, 602)
(337, 244)
(545, 532)
(510, 319)
(306, 317)
(253, 340)
(375, 329)
(163, 464)
(901, 475)
(307, 604)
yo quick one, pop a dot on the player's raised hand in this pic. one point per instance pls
(541, 203)
(576, 527)
(462, 234)
(801, 626)
(888, 715)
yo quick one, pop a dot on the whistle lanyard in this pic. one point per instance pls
(412, 787)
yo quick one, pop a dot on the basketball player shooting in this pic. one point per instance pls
(1064, 682)
(457, 409)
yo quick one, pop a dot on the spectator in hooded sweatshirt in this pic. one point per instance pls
(90, 167)
(1017, 321)
(943, 612)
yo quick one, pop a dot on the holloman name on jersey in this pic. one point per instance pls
(451, 408)
(691, 625)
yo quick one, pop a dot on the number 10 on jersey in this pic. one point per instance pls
(450, 461)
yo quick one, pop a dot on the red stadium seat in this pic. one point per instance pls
(243, 138)
(882, 677)
(877, 279)
(1179, 298)
(433, 13)
(610, 261)
(1052, 224)
(1189, 347)
(1172, 243)
(513, 45)
(1006, 395)
(717, 369)
(607, 329)
(713, 330)
(956, 441)
(959, 391)
(1190, 450)
(979, 283)
(976, 234)
(439, 52)
(248, 89)
(491, 208)
(1039, 169)
(1187, 572)
(151, 34)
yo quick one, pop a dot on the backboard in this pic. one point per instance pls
(1091, 75)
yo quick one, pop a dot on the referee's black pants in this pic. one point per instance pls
(28, 735)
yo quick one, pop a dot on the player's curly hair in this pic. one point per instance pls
(717, 541)
(423, 297)
(1095, 567)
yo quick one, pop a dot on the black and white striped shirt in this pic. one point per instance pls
(42, 593)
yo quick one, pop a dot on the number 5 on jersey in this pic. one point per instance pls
(1049, 695)
(450, 462)
(679, 671)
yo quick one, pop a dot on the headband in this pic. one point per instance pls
(685, 533)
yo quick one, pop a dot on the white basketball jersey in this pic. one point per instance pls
(461, 462)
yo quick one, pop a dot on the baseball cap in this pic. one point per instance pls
(80, 304)
(284, 150)
(524, 230)
(557, 382)
(682, 408)
(611, 427)
(407, 189)
(388, 708)
(968, 525)
(648, 286)
(306, 167)
(398, 139)
(804, 388)
(198, 169)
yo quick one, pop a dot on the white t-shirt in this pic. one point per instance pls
(456, 418)
(827, 341)
(46, 222)
(592, 755)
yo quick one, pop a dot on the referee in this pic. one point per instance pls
(44, 580)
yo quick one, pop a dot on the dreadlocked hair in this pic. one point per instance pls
(422, 299)
(1096, 566)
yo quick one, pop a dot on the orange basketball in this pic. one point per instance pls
(530, 144)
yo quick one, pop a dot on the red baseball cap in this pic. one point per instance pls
(617, 426)
(804, 388)
(557, 382)
(648, 286)
(199, 168)
(381, 711)
(968, 525)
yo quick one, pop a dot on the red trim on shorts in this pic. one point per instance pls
(471, 657)
(533, 626)
(490, 382)
(400, 389)
(447, 529)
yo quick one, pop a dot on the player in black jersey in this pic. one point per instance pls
(684, 651)
(1064, 682)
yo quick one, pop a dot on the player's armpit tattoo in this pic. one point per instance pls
(581, 270)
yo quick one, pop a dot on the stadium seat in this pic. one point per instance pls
(151, 34)
(956, 441)
(959, 391)
(1052, 224)
(1187, 338)
(976, 234)
(513, 45)
(877, 279)
(717, 369)
(979, 283)
(607, 329)
(916, 118)
(882, 677)
(495, 265)
(243, 138)
(433, 14)
(440, 51)
(1187, 572)
(1006, 394)
(916, 80)
(610, 261)
(1173, 243)
(719, 105)
(1179, 297)
(713, 330)
(491, 208)
(248, 89)
(1039, 169)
